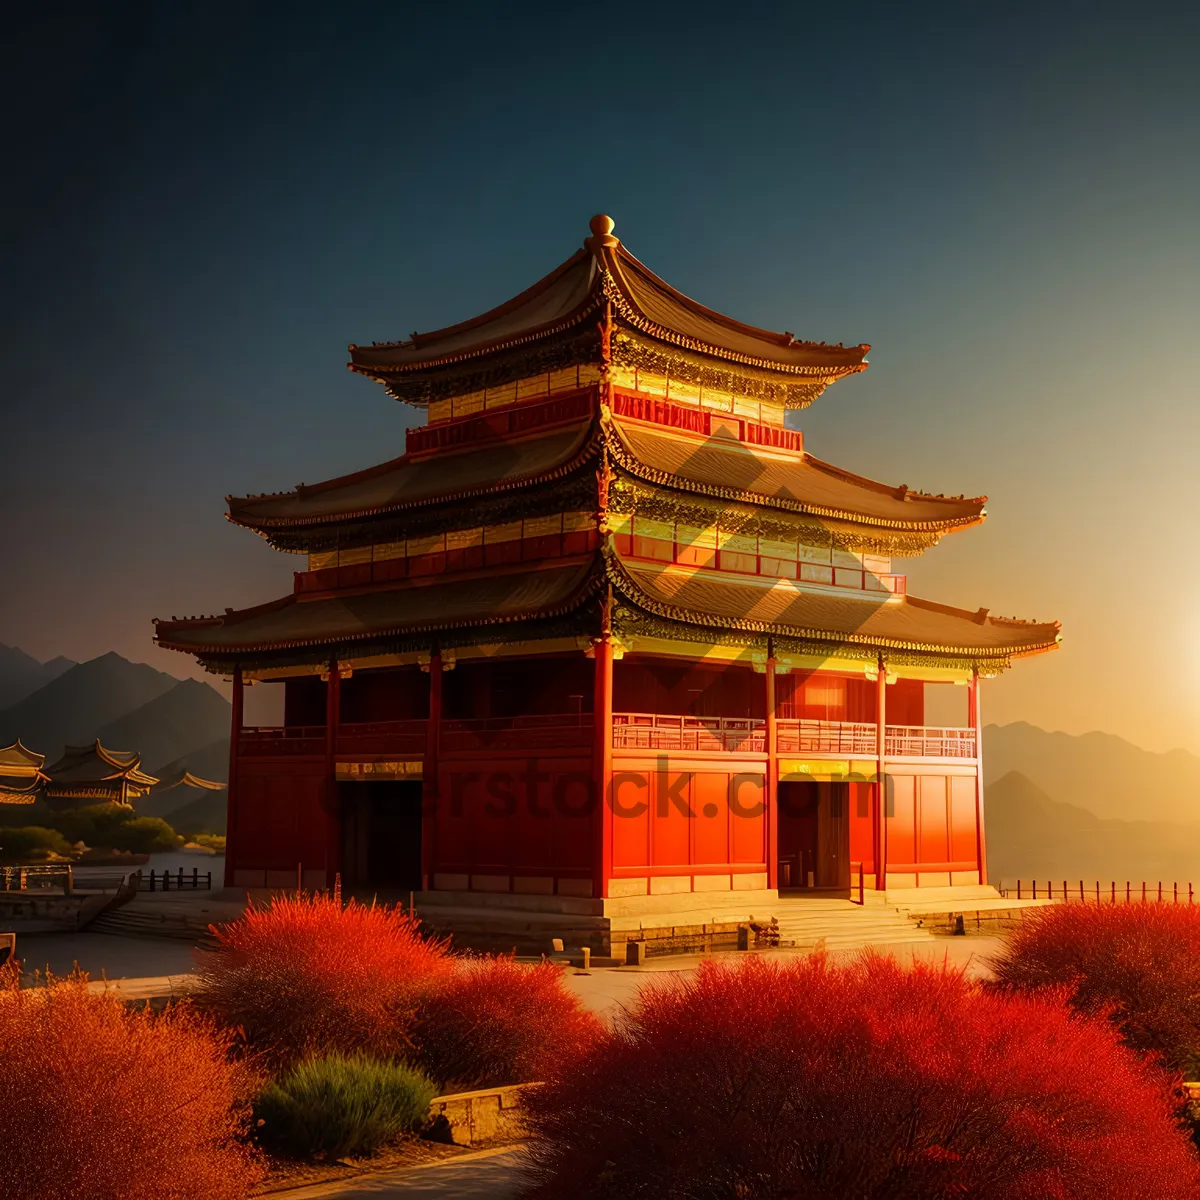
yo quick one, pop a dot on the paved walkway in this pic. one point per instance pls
(605, 990)
(494, 1174)
(142, 967)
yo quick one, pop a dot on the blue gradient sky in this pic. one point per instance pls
(210, 203)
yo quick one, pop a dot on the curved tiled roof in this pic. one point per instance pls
(18, 759)
(434, 603)
(779, 478)
(95, 763)
(604, 271)
(186, 779)
(782, 607)
(409, 482)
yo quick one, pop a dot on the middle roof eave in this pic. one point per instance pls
(734, 470)
(409, 482)
(781, 607)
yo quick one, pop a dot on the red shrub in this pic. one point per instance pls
(309, 974)
(1137, 964)
(803, 1080)
(101, 1102)
(495, 1021)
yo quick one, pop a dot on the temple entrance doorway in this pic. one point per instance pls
(814, 836)
(381, 834)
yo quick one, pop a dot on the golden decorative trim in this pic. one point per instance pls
(635, 467)
(630, 351)
(621, 580)
(628, 495)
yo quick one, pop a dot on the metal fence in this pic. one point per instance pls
(1096, 892)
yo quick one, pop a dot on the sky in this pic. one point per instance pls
(208, 203)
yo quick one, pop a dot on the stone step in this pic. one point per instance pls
(140, 924)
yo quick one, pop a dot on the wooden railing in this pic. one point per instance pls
(174, 881)
(631, 731)
(929, 741)
(825, 737)
(382, 737)
(1098, 893)
(534, 731)
(365, 737)
(46, 875)
(658, 731)
(281, 739)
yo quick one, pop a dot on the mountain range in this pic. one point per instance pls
(21, 674)
(175, 724)
(1031, 836)
(1099, 772)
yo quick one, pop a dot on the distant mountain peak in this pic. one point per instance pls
(1101, 772)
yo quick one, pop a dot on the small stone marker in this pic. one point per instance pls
(557, 945)
(635, 954)
(587, 958)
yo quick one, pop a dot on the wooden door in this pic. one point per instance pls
(833, 835)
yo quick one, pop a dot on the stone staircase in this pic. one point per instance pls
(181, 916)
(805, 922)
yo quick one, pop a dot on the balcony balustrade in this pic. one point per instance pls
(928, 741)
(366, 737)
(825, 737)
(535, 731)
(658, 731)
(630, 731)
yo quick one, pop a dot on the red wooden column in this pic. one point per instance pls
(771, 788)
(602, 710)
(881, 778)
(429, 771)
(977, 725)
(231, 791)
(333, 816)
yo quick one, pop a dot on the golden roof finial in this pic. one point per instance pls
(602, 227)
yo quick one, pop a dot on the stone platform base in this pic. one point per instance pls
(686, 922)
(529, 924)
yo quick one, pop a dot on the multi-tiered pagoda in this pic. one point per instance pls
(606, 631)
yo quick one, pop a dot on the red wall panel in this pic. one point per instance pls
(933, 839)
(689, 821)
(963, 846)
(510, 817)
(710, 803)
(670, 828)
(901, 819)
(667, 686)
(280, 820)
(905, 703)
(862, 824)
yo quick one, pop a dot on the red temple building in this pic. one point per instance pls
(606, 639)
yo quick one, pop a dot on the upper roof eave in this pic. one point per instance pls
(605, 271)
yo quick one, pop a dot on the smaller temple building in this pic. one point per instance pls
(94, 774)
(21, 777)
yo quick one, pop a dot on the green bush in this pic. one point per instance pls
(340, 1105)
(116, 827)
(96, 825)
(144, 835)
(29, 843)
